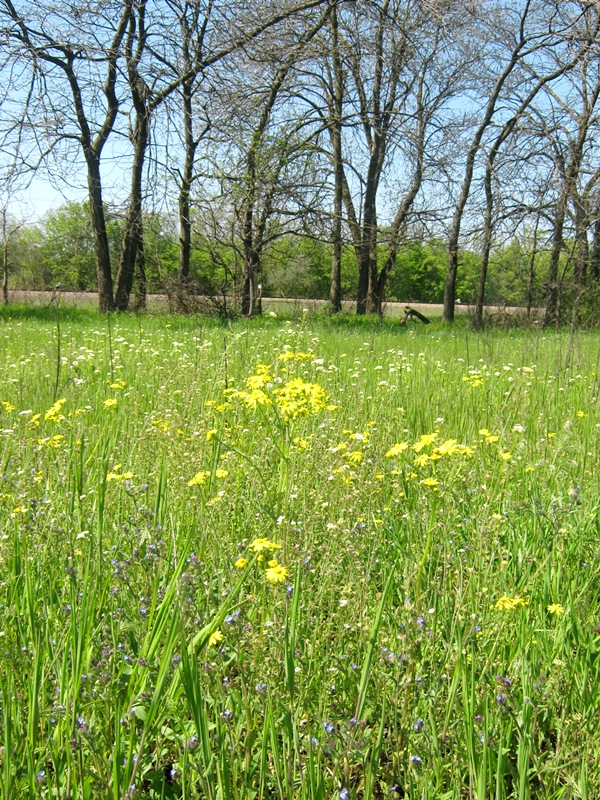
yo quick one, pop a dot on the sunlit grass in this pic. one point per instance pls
(297, 559)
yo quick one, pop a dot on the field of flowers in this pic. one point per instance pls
(297, 559)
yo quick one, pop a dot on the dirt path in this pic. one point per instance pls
(159, 302)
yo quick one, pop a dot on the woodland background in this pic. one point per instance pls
(430, 151)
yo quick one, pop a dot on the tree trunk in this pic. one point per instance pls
(106, 300)
(595, 255)
(369, 233)
(335, 128)
(531, 277)
(335, 292)
(251, 293)
(140, 293)
(133, 232)
(581, 238)
(383, 276)
(373, 301)
(454, 237)
(379, 281)
(185, 223)
(552, 312)
(450, 285)
(487, 242)
(4, 259)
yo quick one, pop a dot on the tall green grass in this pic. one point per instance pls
(434, 633)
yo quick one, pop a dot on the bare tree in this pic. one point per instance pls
(505, 132)
(67, 60)
(388, 72)
(154, 76)
(525, 32)
(336, 111)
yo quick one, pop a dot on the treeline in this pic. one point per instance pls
(59, 251)
(382, 149)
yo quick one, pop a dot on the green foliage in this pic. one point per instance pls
(68, 248)
(419, 274)
(160, 249)
(212, 265)
(60, 250)
(27, 268)
(299, 266)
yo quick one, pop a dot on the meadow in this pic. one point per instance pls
(297, 558)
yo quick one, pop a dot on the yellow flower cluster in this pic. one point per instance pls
(506, 603)
(299, 398)
(199, 479)
(473, 379)
(118, 476)
(275, 572)
(260, 544)
(289, 355)
(262, 376)
(425, 440)
(450, 447)
(294, 399)
(397, 450)
(53, 414)
(488, 437)
(51, 441)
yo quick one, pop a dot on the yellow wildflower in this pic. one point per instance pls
(119, 477)
(397, 450)
(254, 398)
(256, 382)
(289, 355)
(506, 603)
(199, 479)
(338, 448)
(298, 398)
(425, 440)
(215, 638)
(260, 544)
(241, 563)
(277, 573)
(110, 402)
(53, 414)
(448, 448)
(355, 457)
(555, 608)
(51, 441)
